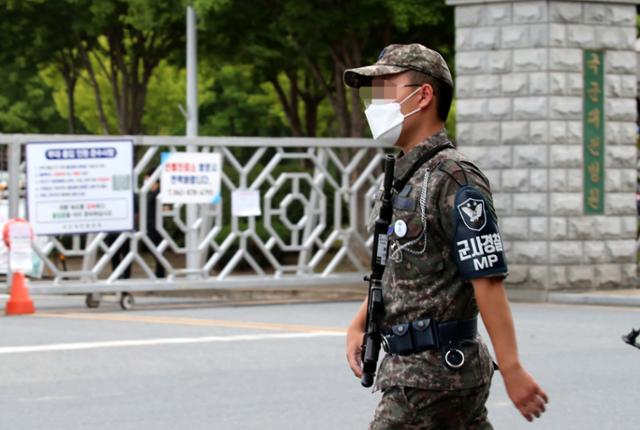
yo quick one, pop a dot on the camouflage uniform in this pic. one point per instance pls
(422, 280)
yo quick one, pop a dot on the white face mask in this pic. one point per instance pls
(385, 119)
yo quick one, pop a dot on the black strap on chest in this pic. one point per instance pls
(399, 183)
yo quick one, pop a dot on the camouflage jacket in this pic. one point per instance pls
(421, 279)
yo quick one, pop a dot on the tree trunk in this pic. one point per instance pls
(96, 88)
(67, 66)
(354, 54)
(311, 116)
(341, 112)
(70, 83)
(293, 100)
(289, 110)
(117, 77)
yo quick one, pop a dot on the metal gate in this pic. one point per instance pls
(315, 198)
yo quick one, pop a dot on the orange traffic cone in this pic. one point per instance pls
(19, 302)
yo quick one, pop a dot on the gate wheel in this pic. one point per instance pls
(126, 301)
(92, 301)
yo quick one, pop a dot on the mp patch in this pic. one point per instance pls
(477, 246)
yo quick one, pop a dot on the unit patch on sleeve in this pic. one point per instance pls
(477, 246)
(473, 213)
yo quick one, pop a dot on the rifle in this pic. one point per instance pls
(372, 336)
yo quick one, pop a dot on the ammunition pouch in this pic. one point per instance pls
(421, 335)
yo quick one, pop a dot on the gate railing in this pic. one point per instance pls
(315, 193)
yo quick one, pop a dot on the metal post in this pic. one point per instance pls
(14, 192)
(14, 179)
(192, 130)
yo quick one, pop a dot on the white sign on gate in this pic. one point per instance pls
(41, 242)
(20, 258)
(80, 187)
(245, 203)
(190, 177)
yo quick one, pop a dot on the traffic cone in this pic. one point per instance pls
(19, 302)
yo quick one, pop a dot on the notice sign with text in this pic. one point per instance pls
(80, 187)
(190, 177)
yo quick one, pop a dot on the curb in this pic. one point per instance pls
(594, 299)
(630, 297)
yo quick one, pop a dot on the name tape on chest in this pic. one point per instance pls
(477, 246)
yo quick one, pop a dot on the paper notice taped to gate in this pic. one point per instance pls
(20, 258)
(245, 203)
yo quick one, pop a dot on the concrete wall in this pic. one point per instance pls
(519, 87)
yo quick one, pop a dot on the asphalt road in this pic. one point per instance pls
(277, 367)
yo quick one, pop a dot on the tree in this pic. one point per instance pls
(309, 44)
(35, 43)
(297, 49)
(122, 41)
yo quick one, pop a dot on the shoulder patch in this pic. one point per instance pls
(477, 245)
(472, 212)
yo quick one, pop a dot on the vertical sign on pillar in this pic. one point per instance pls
(593, 136)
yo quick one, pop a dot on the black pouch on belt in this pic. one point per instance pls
(450, 334)
(423, 335)
(400, 342)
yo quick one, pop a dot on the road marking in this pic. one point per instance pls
(162, 341)
(195, 322)
(47, 398)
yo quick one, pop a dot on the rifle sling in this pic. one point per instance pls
(399, 184)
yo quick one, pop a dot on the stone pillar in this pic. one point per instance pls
(520, 97)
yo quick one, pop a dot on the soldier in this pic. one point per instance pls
(445, 261)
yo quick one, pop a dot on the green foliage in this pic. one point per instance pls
(239, 105)
(312, 42)
(166, 92)
(272, 69)
(450, 124)
(84, 98)
(25, 103)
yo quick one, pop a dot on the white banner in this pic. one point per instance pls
(80, 187)
(190, 177)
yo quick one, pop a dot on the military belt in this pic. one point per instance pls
(421, 335)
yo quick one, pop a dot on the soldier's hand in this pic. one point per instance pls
(354, 350)
(524, 392)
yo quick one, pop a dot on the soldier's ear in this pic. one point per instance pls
(426, 96)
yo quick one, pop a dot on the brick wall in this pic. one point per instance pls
(519, 92)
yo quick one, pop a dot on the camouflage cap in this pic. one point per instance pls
(398, 58)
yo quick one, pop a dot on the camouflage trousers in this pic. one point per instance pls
(407, 408)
